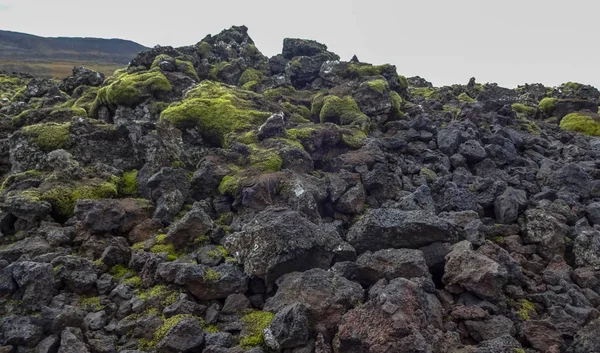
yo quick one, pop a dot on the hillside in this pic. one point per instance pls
(208, 199)
(55, 57)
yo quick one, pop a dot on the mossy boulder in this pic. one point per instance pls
(583, 122)
(520, 108)
(48, 137)
(216, 110)
(130, 89)
(342, 111)
(64, 197)
(547, 105)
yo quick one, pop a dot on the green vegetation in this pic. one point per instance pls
(135, 281)
(215, 73)
(13, 178)
(547, 105)
(187, 68)
(169, 249)
(342, 111)
(130, 183)
(463, 97)
(63, 198)
(120, 271)
(583, 122)
(428, 174)
(379, 85)
(216, 110)
(396, 105)
(250, 75)
(49, 136)
(254, 323)
(203, 49)
(86, 101)
(362, 70)
(90, 303)
(425, 92)
(527, 308)
(162, 331)
(355, 139)
(130, 89)
(523, 109)
(300, 133)
(212, 275)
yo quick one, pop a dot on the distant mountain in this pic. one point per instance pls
(56, 56)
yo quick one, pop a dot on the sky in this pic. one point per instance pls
(510, 42)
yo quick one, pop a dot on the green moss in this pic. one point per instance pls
(63, 198)
(86, 101)
(585, 123)
(130, 183)
(523, 109)
(216, 110)
(49, 136)
(212, 275)
(138, 246)
(162, 331)
(169, 249)
(211, 328)
(248, 138)
(267, 160)
(215, 73)
(120, 271)
(250, 75)
(547, 105)
(187, 68)
(342, 111)
(355, 139)
(254, 324)
(222, 250)
(90, 303)
(396, 105)
(11, 179)
(135, 281)
(278, 93)
(463, 97)
(130, 89)
(229, 185)
(203, 49)
(300, 133)
(425, 92)
(379, 86)
(527, 308)
(250, 86)
(518, 350)
(367, 70)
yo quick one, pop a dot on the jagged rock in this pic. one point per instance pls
(470, 270)
(401, 317)
(49, 344)
(95, 321)
(326, 295)
(587, 339)
(118, 217)
(508, 205)
(184, 306)
(196, 223)
(204, 282)
(542, 335)
(32, 247)
(71, 341)
(170, 189)
(546, 230)
(77, 274)
(21, 331)
(82, 77)
(116, 253)
(186, 335)
(504, 344)
(36, 281)
(289, 328)
(494, 327)
(278, 241)
(390, 264)
(391, 228)
(235, 303)
(273, 127)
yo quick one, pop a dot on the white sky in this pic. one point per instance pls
(510, 42)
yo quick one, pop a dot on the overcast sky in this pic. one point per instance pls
(510, 42)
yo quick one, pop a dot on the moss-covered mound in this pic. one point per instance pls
(48, 137)
(583, 122)
(130, 89)
(343, 111)
(547, 105)
(216, 110)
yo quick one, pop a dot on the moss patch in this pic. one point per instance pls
(63, 198)
(162, 331)
(523, 109)
(250, 75)
(254, 323)
(216, 110)
(130, 183)
(342, 111)
(377, 85)
(48, 136)
(463, 97)
(13, 178)
(583, 122)
(547, 105)
(130, 89)
(527, 308)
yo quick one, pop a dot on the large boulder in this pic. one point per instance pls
(289, 329)
(186, 336)
(470, 270)
(587, 339)
(390, 264)
(278, 241)
(326, 295)
(36, 281)
(196, 223)
(402, 317)
(508, 205)
(545, 230)
(385, 228)
(118, 217)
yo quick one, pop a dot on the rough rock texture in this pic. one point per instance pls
(210, 199)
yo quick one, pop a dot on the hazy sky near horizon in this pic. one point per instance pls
(510, 42)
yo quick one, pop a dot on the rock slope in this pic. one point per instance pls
(210, 199)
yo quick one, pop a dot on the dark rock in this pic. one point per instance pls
(494, 327)
(118, 217)
(504, 344)
(390, 264)
(82, 77)
(326, 295)
(21, 331)
(542, 335)
(77, 274)
(547, 231)
(293, 47)
(204, 282)
(196, 223)
(587, 339)
(391, 228)
(273, 127)
(71, 341)
(470, 270)
(508, 205)
(279, 241)
(186, 336)
(289, 328)
(49, 344)
(472, 151)
(170, 189)
(36, 281)
(235, 303)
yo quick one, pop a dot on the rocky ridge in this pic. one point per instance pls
(210, 199)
